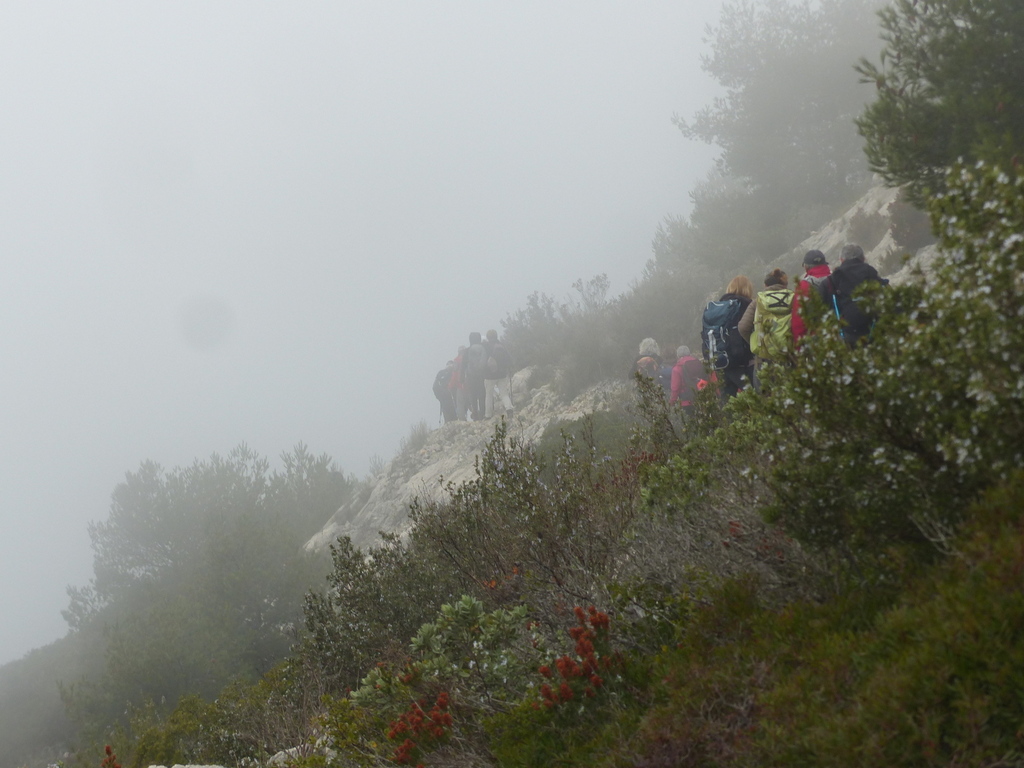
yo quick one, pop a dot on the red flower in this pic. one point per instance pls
(584, 647)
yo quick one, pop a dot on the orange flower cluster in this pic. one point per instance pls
(421, 729)
(582, 670)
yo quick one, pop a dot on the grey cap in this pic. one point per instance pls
(814, 258)
(682, 351)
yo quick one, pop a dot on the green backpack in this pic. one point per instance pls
(772, 338)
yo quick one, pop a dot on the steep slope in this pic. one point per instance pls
(449, 452)
(449, 455)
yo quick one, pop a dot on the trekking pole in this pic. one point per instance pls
(835, 305)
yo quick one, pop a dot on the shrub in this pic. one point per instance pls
(526, 531)
(466, 664)
(572, 695)
(875, 452)
(374, 599)
(418, 435)
(932, 682)
(604, 432)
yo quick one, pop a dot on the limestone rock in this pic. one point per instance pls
(448, 456)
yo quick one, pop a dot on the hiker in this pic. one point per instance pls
(838, 292)
(816, 270)
(766, 322)
(443, 392)
(687, 374)
(724, 348)
(498, 378)
(648, 362)
(474, 366)
(457, 385)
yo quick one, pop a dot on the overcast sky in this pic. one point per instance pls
(274, 222)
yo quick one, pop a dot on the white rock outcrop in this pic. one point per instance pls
(449, 454)
(876, 203)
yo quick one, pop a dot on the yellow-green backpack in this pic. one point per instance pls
(772, 338)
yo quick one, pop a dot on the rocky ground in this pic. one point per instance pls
(448, 455)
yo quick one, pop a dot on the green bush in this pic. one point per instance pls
(876, 451)
(373, 603)
(524, 530)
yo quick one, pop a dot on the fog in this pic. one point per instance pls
(271, 223)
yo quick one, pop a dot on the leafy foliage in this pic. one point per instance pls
(199, 577)
(790, 152)
(375, 601)
(950, 85)
(926, 680)
(469, 662)
(885, 445)
(525, 531)
(726, 641)
(558, 339)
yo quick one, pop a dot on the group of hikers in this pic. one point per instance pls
(480, 376)
(741, 331)
(746, 328)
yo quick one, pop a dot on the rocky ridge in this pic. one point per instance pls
(449, 452)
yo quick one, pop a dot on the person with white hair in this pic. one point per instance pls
(839, 293)
(648, 362)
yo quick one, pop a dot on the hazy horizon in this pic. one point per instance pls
(251, 223)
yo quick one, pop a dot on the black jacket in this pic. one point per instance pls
(839, 289)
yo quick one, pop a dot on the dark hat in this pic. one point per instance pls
(814, 259)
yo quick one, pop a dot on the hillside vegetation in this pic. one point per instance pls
(825, 572)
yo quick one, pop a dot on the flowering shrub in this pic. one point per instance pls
(421, 731)
(110, 761)
(467, 656)
(580, 673)
(884, 445)
(574, 695)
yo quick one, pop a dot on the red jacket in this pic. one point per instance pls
(803, 289)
